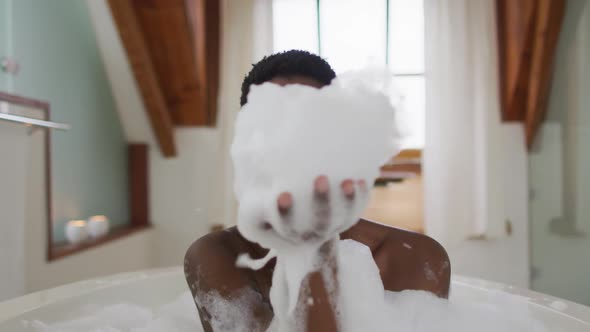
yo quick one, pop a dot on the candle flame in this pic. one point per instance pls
(78, 223)
(98, 218)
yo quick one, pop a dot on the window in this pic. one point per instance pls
(352, 34)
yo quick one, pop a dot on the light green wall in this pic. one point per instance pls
(560, 169)
(5, 24)
(60, 63)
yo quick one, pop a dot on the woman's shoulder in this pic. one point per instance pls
(224, 244)
(375, 234)
(406, 259)
(210, 262)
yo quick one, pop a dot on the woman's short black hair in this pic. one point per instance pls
(285, 64)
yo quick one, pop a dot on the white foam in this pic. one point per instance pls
(558, 305)
(287, 136)
(230, 314)
(179, 315)
(365, 306)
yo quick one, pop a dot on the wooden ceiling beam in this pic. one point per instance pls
(205, 21)
(145, 74)
(515, 21)
(182, 37)
(549, 19)
(528, 31)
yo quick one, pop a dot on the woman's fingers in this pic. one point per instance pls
(347, 187)
(321, 205)
(321, 187)
(362, 184)
(284, 203)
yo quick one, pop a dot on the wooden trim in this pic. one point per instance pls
(64, 250)
(548, 26)
(145, 74)
(138, 174)
(408, 161)
(502, 34)
(138, 184)
(515, 24)
(409, 154)
(24, 101)
(197, 21)
(213, 53)
(405, 168)
(43, 106)
(205, 19)
(48, 188)
(528, 31)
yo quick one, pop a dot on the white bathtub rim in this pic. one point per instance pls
(29, 302)
(572, 310)
(21, 305)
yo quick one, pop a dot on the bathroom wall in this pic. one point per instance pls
(55, 45)
(60, 63)
(504, 259)
(5, 40)
(187, 192)
(13, 149)
(560, 169)
(127, 254)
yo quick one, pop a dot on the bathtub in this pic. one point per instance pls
(152, 288)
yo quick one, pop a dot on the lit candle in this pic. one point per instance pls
(98, 226)
(76, 231)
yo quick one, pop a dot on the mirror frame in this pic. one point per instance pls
(45, 108)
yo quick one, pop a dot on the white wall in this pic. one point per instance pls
(13, 149)
(184, 191)
(505, 259)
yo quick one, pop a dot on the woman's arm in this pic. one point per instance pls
(322, 292)
(210, 268)
(211, 273)
(320, 310)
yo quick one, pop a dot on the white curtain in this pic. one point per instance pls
(13, 184)
(463, 173)
(246, 33)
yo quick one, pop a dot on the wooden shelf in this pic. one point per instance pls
(62, 250)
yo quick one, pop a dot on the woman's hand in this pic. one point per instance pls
(321, 206)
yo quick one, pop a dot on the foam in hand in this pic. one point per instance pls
(287, 136)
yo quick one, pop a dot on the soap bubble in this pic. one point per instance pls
(286, 136)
